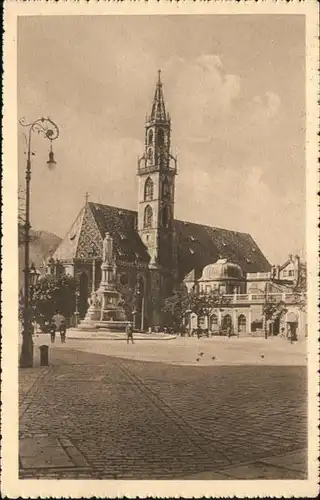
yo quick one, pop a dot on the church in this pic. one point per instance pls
(153, 251)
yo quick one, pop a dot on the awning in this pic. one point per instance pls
(292, 318)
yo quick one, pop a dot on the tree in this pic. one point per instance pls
(203, 304)
(274, 310)
(175, 308)
(300, 288)
(200, 304)
(127, 302)
(53, 293)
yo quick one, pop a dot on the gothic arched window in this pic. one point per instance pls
(147, 222)
(148, 189)
(149, 154)
(150, 137)
(165, 188)
(160, 137)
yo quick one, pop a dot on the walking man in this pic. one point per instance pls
(59, 323)
(129, 332)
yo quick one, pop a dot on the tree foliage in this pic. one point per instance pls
(175, 308)
(200, 304)
(274, 310)
(300, 287)
(53, 293)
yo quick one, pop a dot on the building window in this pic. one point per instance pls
(202, 321)
(150, 137)
(226, 322)
(160, 137)
(208, 289)
(214, 323)
(148, 216)
(124, 279)
(148, 189)
(165, 188)
(149, 154)
(242, 323)
(165, 216)
(291, 273)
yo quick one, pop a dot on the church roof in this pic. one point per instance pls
(122, 225)
(200, 245)
(84, 239)
(197, 245)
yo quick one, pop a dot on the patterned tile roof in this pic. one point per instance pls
(121, 224)
(200, 245)
(197, 245)
(68, 246)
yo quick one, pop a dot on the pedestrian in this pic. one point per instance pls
(292, 335)
(129, 332)
(52, 331)
(63, 331)
(59, 324)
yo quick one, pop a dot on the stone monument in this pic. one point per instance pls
(105, 310)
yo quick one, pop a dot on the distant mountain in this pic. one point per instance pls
(42, 245)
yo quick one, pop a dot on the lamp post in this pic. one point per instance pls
(34, 276)
(139, 303)
(77, 305)
(93, 255)
(49, 130)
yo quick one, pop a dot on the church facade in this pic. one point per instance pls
(154, 252)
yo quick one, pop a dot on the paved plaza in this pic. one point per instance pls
(202, 409)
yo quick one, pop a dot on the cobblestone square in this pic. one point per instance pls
(131, 419)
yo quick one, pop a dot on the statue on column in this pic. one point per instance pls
(107, 250)
(106, 307)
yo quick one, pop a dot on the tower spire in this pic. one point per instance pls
(158, 111)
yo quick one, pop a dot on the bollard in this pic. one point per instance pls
(44, 355)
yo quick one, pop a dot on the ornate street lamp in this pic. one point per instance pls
(49, 130)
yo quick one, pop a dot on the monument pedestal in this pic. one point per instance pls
(105, 312)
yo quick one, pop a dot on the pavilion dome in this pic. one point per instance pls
(222, 270)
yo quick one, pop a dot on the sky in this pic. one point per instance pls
(235, 89)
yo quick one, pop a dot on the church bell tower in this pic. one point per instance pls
(157, 169)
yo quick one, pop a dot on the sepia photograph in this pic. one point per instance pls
(162, 252)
